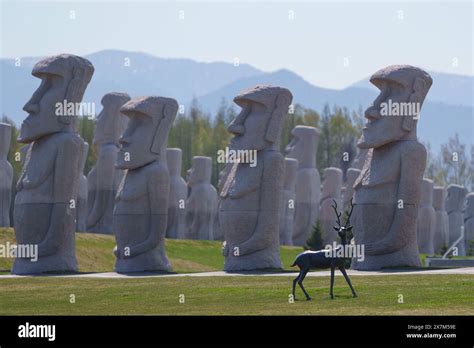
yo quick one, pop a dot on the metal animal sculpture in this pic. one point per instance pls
(321, 259)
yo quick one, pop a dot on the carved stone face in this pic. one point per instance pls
(64, 78)
(144, 140)
(41, 108)
(200, 171)
(303, 145)
(252, 134)
(136, 142)
(111, 123)
(380, 130)
(455, 198)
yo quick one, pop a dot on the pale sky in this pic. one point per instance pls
(330, 44)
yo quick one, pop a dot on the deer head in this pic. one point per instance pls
(347, 227)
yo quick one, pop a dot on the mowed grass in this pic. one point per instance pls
(238, 295)
(94, 253)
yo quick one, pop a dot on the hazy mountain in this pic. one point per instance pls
(448, 109)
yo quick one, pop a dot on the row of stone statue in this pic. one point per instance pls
(251, 193)
(441, 216)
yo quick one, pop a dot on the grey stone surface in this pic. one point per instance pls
(201, 205)
(469, 224)
(218, 231)
(250, 209)
(426, 219)
(81, 201)
(360, 158)
(454, 208)
(6, 175)
(387, 193)
(331, 192)
(348, 189)
(441, 231)
(303, 147)
(178, 195)
(104, 178)
(141, 207)
(288, 202)
(49, 180)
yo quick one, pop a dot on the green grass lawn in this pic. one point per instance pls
(245, 295)
(94, 253)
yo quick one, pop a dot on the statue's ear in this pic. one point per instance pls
(163, 126)
(274, 125)
(416, 99)
(74, 91)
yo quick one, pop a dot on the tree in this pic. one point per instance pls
(315, 240)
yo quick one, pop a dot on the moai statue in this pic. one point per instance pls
(104, 178)
(178, 194)
(201, 206)
(426, 219)
(441, 230)
(454, 208)
(469, 224)
(288, 202)
(348, 190)
(81, 202)
(44, 211)
(387, 192)
(250, 208)
(331, 192)
(303, 147)
(6, 175)
(141, 206)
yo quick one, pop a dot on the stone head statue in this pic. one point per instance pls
(174, 160)
(394, 113)
(332, 183)
(303, 145)
(200, 170)
(439, 197)
(64, 78)
(291, 167)
(469, 213)
(426, 192)
(5, 139)
(351, 175)
(111, 123)
(455, 198)
(258, 126)
(144, 141)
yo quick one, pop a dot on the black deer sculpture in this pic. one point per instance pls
(320, 259)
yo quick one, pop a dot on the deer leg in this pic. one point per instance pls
(294, 284)
(343, 271)
(300, 283)
(331, 293)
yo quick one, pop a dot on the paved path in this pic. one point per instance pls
(113, 275)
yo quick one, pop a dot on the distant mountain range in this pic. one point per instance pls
(448, 109)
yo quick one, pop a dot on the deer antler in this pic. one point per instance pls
(338, 215)
(349, 215)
